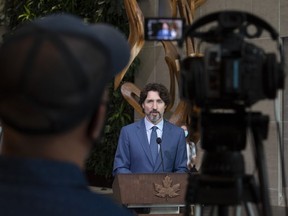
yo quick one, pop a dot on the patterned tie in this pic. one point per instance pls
(153, 143)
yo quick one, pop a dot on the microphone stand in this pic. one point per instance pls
(159, 141)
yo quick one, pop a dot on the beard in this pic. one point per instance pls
(154, 118)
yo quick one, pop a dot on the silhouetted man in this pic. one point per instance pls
(53, 74)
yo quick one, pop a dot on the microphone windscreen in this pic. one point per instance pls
(158, 140)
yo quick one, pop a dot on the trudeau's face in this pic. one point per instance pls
(154, 107)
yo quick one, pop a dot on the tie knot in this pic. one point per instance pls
(154, 128)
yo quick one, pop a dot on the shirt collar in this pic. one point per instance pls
(149, 125)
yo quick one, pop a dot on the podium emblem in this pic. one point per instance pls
(167, 189)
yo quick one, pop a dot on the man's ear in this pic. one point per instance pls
(98, 119)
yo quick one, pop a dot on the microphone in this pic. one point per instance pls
(159, 141)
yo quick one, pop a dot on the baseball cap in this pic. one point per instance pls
(54, 70)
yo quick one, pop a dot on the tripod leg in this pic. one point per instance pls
(248, 208)
(198, 210)
(223, 210)
(261, 165)
(238, 210)
(218, 210)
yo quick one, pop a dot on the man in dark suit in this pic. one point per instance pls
(135, 146)
(53, 76)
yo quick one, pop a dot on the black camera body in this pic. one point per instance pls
(232, 71)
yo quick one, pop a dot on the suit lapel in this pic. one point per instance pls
(166, 135)
(142, 136)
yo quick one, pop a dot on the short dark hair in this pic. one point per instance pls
(157, 87)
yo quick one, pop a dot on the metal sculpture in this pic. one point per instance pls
(131, 93)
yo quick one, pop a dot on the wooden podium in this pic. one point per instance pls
(161, 193)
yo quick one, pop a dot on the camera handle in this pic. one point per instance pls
(222, 191)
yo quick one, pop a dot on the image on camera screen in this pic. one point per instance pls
(157, 29)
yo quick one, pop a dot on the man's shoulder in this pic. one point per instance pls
(135, 124)
(171, 125)
(57, 201)
(104, 204)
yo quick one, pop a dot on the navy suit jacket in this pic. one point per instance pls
(133, 153)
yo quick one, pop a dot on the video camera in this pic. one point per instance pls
(231, 75)
(232, 71)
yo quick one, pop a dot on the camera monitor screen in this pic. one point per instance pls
(157, 29)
